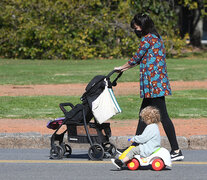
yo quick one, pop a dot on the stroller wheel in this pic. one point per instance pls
(68, 150)
(96, 152)
(109, 149)
(56, 152)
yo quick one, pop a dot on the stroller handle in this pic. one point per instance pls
(118, 76)
(62, 106)
(111, 73)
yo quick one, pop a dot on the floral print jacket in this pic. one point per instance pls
(151, 56)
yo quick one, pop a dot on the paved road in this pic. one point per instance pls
(33, 164)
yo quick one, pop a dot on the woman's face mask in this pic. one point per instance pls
(138, 33)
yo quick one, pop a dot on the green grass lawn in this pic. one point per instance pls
(82, 71)
(182, 104)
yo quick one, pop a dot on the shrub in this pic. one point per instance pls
(77, 29)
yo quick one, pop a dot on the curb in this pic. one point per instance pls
(39, 141)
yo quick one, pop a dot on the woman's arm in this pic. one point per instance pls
(143, 48)
(135, 60)
(123, 68)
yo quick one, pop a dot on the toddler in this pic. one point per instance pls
(149, 141)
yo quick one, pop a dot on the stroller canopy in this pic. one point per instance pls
(100, 97)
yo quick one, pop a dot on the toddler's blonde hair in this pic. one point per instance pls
(150, 114)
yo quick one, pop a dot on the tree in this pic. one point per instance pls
(191, 13)
(80, 29)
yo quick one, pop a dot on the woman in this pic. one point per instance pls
(154, 83)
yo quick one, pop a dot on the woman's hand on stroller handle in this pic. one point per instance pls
(123, 68)
(118, 69)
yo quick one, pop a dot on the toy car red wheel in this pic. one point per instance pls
(133, 164)
(158, 164)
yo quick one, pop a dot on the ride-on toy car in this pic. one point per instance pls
(158, 160)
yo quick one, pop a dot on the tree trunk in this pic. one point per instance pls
(190, 22)
(196, 28)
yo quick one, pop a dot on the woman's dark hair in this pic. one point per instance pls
(146, 24)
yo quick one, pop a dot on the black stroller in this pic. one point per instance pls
(80, 116)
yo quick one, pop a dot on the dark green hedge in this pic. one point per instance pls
(78, 29)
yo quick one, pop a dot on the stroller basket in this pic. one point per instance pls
(98, 133)
(78, 125)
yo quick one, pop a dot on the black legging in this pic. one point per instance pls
(168, 126)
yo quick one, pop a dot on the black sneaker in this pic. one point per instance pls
(117, 162)
(176, 156)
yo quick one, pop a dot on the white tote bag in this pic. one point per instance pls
(105, 106)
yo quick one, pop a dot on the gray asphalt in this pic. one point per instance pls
(29, 164)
